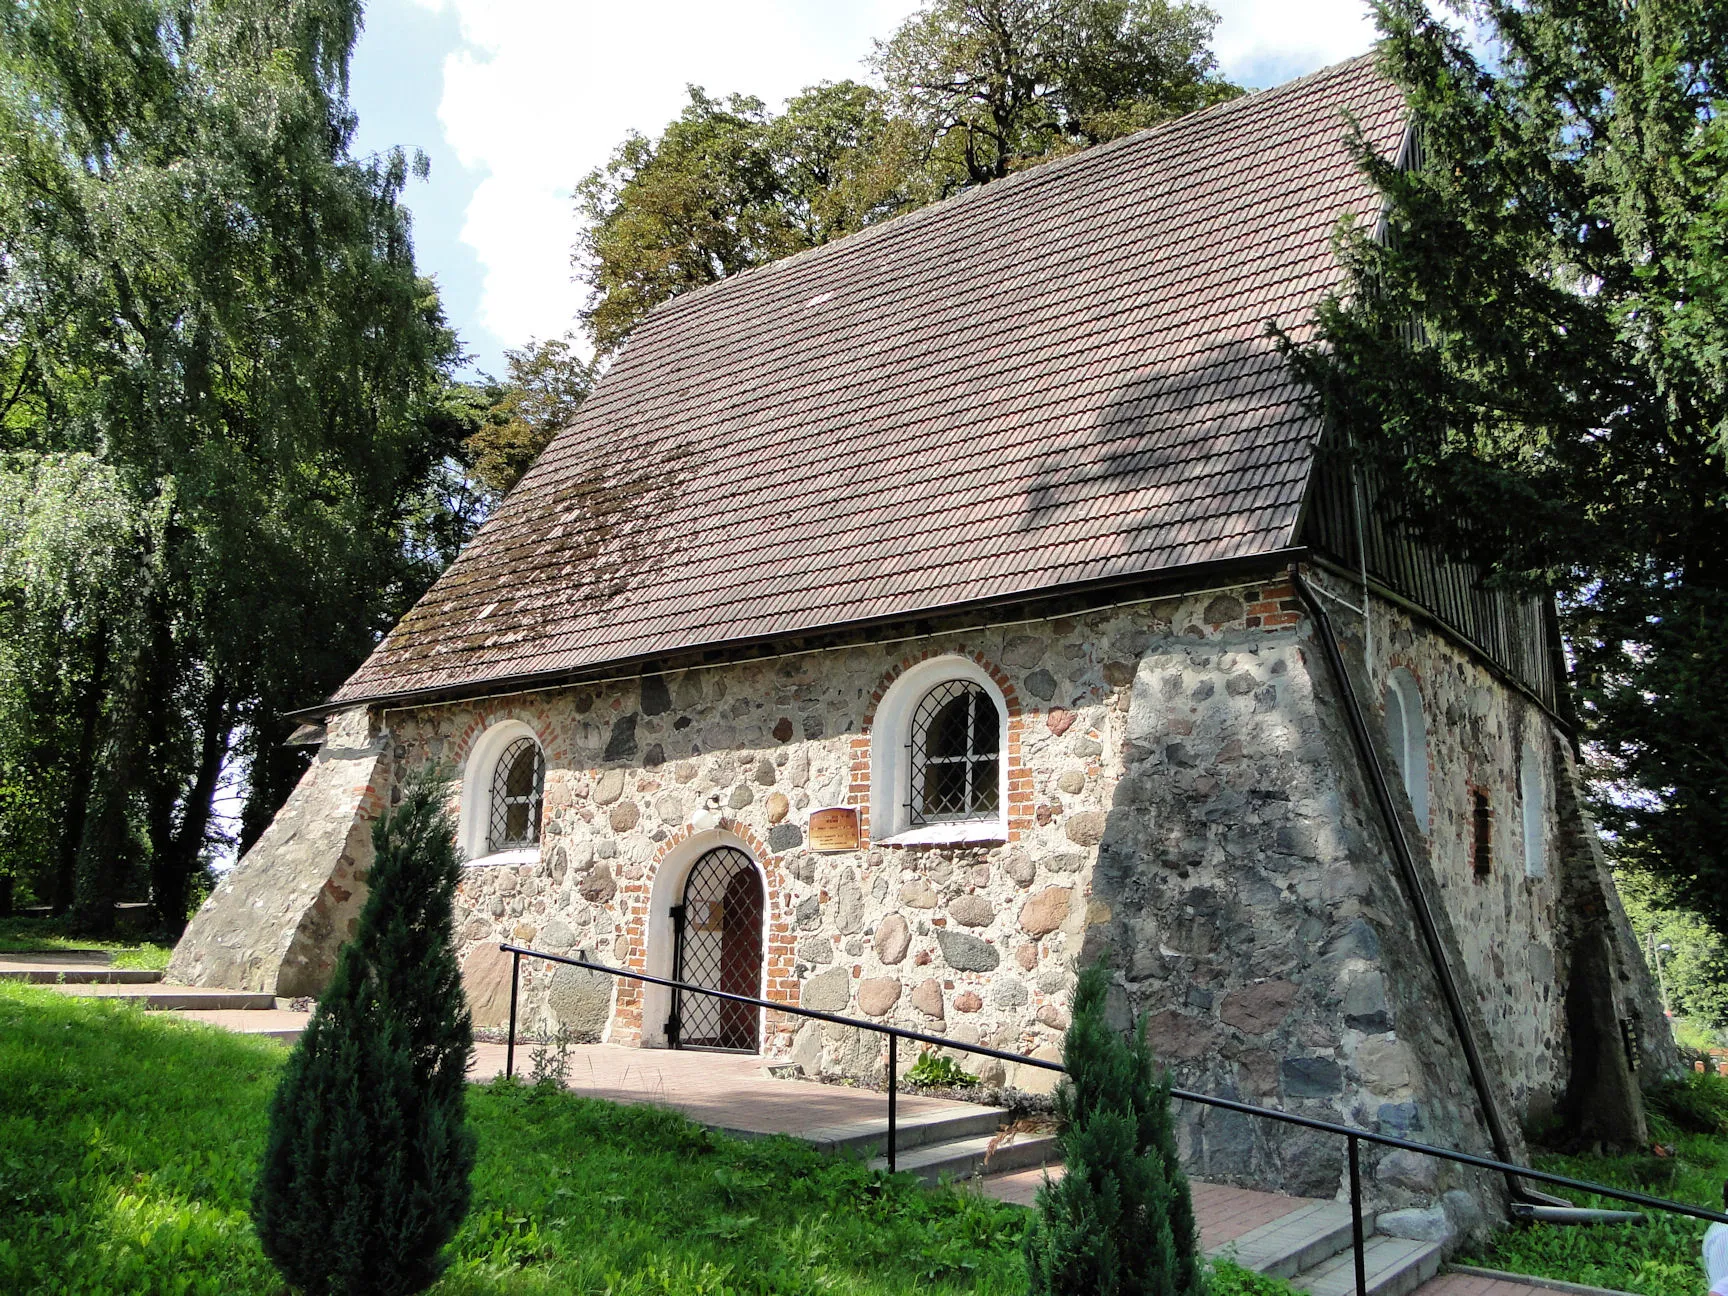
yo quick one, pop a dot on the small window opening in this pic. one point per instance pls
(1482, 854)
(517, 785)
(955, 755)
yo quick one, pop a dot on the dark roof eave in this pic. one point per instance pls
(503, 685)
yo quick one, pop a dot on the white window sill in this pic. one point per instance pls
(521, 855)
(968, 832)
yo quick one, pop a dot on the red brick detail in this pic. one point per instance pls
(631, 934)
(1020, 808)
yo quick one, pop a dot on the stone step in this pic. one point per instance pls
(78, 975)
(165, 997)
(964, 1158)
(1307, 1236)
(1395, 1267)
(869, 1138)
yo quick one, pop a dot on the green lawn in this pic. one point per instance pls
(1660, 1257)
(21, 935)
(128, 1140)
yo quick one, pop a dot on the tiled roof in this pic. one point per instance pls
(1062, 377)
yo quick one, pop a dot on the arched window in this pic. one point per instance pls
(1533, 792)
(955, 755)
(502, 787)
(1407, 736)
(517, 783)
(939, 756)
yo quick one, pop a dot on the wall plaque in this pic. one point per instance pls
(834, 829)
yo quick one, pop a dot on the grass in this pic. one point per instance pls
(128, 1142)
(1661, 1256)
(26, 935)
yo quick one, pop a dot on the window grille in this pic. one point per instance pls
(517, 781)
(954, 755)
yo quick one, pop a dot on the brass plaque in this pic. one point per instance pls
(834, 829)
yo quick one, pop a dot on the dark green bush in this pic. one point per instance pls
(1120, 1221)
(367, 1161)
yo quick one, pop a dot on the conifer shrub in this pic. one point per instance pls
(1120, 1220)
(367, 1161)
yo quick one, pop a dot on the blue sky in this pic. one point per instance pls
(514, 100)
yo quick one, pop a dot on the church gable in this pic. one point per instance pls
(1060, 380)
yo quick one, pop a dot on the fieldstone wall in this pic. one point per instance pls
(1184, 801)
(277, 919)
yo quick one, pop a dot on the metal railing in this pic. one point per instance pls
(1353, 1137)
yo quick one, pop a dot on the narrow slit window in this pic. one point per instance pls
(1481, 855)
(517, 785)
(955, 755)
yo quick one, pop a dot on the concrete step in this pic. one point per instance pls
(869, 1138)
(1395, 1267)
(166, 997)
(83, 957)
(964, 1158)
(78, 975)
(1307, 1236)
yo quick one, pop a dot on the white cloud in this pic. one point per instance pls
(544, 89)
(1258, 40)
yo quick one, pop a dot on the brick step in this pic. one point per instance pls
(965, 1158)
(79, 975)
(270, 1023)
(1395, 1267)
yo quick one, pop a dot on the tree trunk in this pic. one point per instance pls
(80, 775)
(177, 860)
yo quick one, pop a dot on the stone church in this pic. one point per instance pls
(903, 625)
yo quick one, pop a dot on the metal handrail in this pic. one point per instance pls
(1351, 1135)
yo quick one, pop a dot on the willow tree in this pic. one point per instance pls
(207, 293)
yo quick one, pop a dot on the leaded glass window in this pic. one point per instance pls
(517, 780)
(955, 755)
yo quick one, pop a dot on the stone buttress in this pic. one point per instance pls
(277, 920)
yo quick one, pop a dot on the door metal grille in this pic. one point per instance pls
(717, 942)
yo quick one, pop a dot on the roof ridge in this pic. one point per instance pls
(1046, 170)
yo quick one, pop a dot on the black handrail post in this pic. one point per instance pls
(1356, 1219)
(893, 1137)
(510, 1044)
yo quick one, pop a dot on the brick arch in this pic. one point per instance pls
(1021, 814)
(635, 918)
(538, 717)
(906, 663)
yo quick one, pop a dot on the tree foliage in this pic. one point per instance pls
(999, 83)
(1120, 1220)
(972, 90)
(367, 1162)
(211, 307)
(546, 382)
(1533, 357)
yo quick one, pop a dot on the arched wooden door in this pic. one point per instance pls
(717, 942)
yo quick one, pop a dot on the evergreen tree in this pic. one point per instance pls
(1529, 353)
(365, 1173)
(1120, 1219)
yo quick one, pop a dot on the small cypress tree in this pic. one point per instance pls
(365, 1173)
(1120, 1219)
